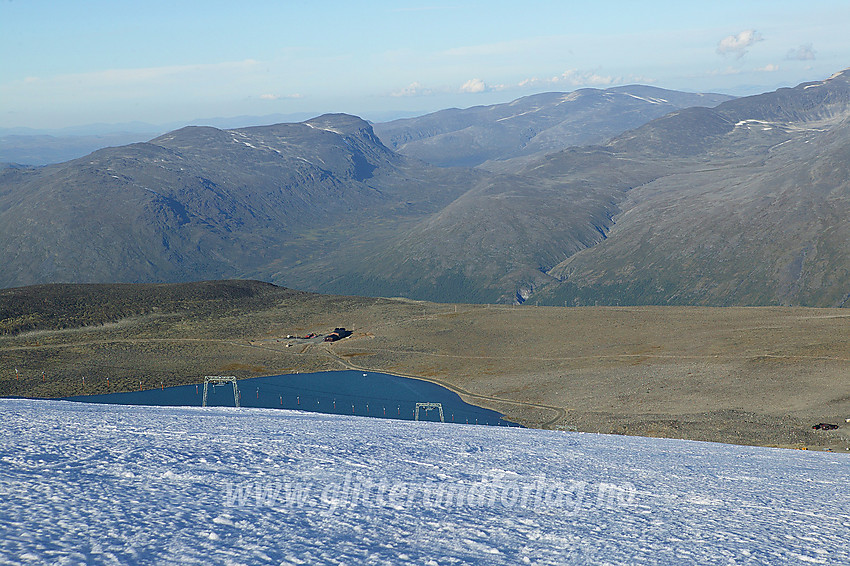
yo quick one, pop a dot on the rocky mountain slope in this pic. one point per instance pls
(738, 204)
(752, 214)
(201, 202)
(498, 241)
(533, 125)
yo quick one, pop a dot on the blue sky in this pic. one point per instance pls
(71, 63)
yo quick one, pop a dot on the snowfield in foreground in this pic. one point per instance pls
(111, 484)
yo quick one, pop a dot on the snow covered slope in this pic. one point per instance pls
(111, 484)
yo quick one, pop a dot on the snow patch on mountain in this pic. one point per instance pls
(332, 130)
(532, 111)
(651, 100)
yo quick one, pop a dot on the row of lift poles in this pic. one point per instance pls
(225, 379)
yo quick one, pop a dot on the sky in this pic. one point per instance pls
(111, 61)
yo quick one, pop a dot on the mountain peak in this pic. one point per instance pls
(355, 132)
(343, 124)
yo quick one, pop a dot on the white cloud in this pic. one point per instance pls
(739, 44)
(279, 96)
(131, 79)
(413, 89)
(727, 72)
(156, 73)
(803, 53)
(577, 78)
(135, 93)
(474, 86)
(586, 78)
(768, 68)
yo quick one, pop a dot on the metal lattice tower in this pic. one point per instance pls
(220, 380)
(428, 407)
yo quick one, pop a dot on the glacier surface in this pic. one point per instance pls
(108, 484)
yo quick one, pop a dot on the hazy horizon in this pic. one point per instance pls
(164, 63)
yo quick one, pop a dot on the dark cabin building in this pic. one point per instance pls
(337, 334)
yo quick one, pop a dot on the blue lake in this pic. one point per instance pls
(338, 392)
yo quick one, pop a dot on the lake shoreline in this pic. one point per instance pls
(372, 394)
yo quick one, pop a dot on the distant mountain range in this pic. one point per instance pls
(530, 125)
(739, 203)
(533, 125)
